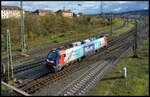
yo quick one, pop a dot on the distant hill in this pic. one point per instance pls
(137, 12)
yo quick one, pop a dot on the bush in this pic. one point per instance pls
(56, 41)
(62, 35)
(27, 47)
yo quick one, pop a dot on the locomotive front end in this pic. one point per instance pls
(52, 61)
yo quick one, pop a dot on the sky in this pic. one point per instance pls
(86, 7)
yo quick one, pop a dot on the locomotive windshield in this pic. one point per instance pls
(52, 55)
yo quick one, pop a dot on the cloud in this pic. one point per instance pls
(117, 9)
(122, 2)
(145, 7)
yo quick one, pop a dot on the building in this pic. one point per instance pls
(10, 12)
(42, 12)
(65, 13)
(76, 15)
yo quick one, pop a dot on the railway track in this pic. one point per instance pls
(35, 85)
(29, 65)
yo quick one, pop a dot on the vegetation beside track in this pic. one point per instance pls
(120, 31)
(137, 81)
(5, 88)
(53, 29)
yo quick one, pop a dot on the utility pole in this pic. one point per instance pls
(135, 42)
(22, 28)
(111, 22)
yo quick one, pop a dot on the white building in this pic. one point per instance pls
(10, 12)
(65, 13)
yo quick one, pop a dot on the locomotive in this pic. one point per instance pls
(63, 56)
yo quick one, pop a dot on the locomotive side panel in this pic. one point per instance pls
(102, 42)
(96, 44)
(74, 53)
(88, 48)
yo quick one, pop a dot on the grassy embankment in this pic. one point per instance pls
(137, 81)
(120, 31)
(83, 32)
(69, 36)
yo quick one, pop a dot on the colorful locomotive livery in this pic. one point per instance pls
(61, 57)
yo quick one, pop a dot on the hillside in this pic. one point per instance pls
(137, 12)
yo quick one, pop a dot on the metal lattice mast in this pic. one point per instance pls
(22, 28)
(10, 56)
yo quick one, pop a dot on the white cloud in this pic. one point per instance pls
(145, 7)
(117, 9)
(122, 2)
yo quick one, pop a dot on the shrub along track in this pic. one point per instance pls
(36, 84)
(46, 49)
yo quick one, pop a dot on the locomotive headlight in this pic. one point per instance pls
(47, 60)
(51, 61)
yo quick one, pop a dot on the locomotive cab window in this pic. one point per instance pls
(52, 55)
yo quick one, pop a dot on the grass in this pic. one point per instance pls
(120, 31)
(5, 88)
(137, 81)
